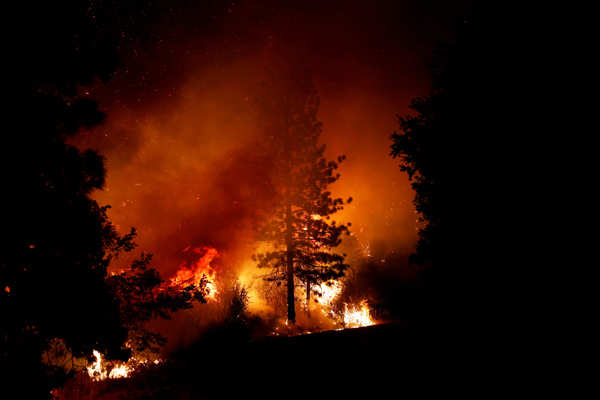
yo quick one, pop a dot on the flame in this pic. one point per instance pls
(98, 370)
(353, 315)
(192, 272)
(95, 371)
(357, 316)
(121, 371)
(329, 292)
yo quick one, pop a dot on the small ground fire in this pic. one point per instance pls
(100, 370)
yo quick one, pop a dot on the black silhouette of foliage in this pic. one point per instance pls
(143, 295)
(299, 226)
(417, 146)
(58, 242)
(238, 304)
(432, 143)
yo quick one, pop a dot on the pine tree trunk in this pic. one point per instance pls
(290, 289)
(290, 267)
(308, 298)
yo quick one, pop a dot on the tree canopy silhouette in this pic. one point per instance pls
(433, 144)
(58, 241)
(299, 226)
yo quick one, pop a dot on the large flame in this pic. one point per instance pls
(356, 316)
(194, 271)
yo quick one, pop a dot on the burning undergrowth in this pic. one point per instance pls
(241, 297)
(241, 309)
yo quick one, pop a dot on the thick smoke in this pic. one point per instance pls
(181, 142)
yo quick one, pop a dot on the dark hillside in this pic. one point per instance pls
(371, 362)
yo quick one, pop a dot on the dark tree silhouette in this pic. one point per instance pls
(433, 143)
(299, 226)
(58, 242)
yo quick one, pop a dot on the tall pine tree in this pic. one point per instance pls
(299, 226)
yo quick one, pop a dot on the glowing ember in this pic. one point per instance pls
(121, 371)
(192, 272)
(357, 316)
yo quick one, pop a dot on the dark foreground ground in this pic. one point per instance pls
(385, 361)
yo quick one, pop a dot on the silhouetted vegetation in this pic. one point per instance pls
(58, 241)
(434, 143)
(143, 296)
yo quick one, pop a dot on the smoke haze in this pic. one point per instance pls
(180, 142)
